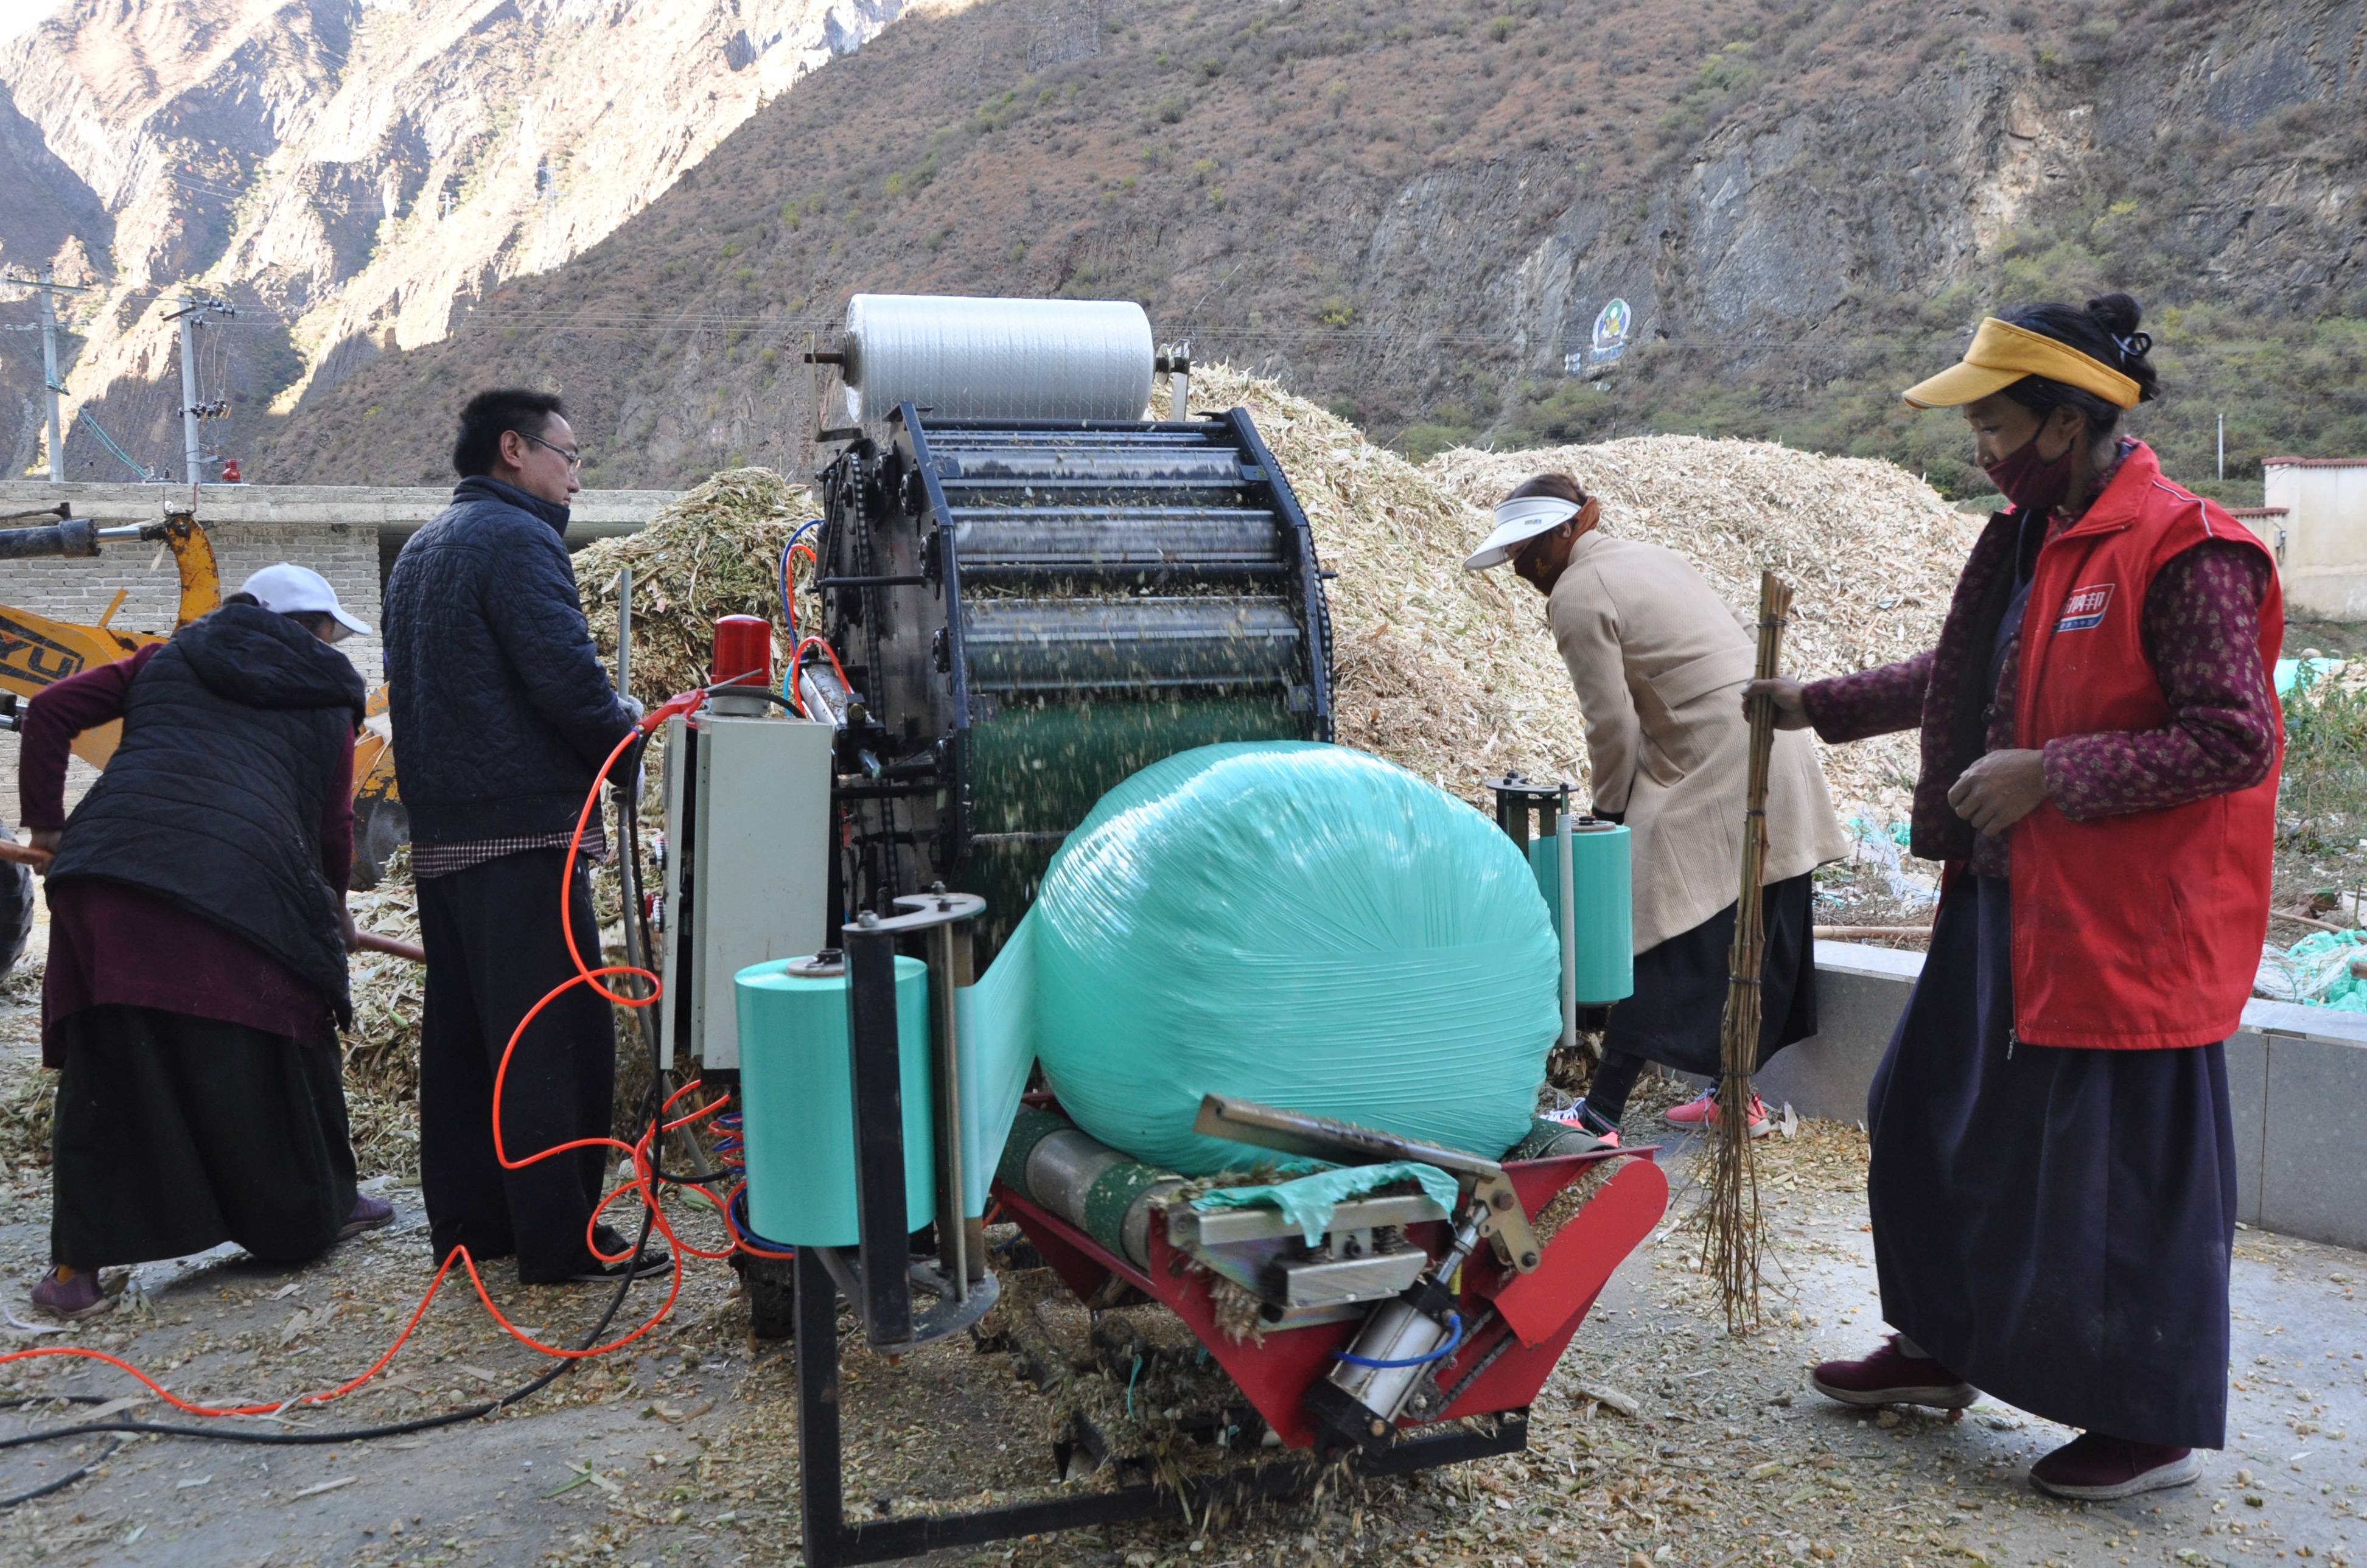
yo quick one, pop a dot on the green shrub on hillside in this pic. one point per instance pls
(2323, 798)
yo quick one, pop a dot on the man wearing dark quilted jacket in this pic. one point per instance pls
(502, 714)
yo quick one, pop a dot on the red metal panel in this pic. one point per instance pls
(1579, 1259)
(1604, 1233)
(1274, 1372)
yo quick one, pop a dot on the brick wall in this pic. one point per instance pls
(79, 591)
(345, 534)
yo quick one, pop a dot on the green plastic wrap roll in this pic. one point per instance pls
(1294, 923)
(1607, 909)
(796, 1102)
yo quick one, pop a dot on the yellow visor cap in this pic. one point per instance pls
(2003, 354)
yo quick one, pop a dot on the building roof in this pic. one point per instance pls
(2314, 462)
(2257, 511)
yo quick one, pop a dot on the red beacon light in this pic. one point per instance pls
(743, 652)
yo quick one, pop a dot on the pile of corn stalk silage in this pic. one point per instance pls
(1447, 673)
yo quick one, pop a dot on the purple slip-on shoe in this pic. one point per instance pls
(369, 1213)
(69, 1299)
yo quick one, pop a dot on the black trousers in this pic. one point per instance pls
(493, 948)
(176, 1134)
(1677, 1015)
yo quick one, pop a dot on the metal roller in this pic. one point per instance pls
(1142, 645)
(988, 358)
(1030, 610)
(1001, 543)
(998, 466)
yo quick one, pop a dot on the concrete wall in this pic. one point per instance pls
(2295, 1077)
(348, 534)
(2323, 558)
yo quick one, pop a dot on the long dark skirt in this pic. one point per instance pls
(178, 1134)
(2054, 1225)
(1679, 1008)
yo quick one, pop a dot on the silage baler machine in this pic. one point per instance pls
(1025, 609)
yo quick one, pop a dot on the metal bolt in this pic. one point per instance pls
(1528, 1260)
(868, 918)
(1502, 1200)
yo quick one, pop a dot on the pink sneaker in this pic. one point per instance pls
(1582, 1117)
(1695, 1114)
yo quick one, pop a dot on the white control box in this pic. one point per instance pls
(747, 869)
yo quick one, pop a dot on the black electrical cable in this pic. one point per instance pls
(343, 1435)
(62, 1481)
(653, 1109)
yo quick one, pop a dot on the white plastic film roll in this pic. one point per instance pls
(971, 358)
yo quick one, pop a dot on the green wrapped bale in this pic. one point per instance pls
(1297, 924)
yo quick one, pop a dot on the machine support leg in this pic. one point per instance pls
(953, 1233)
(879, 1200)
(821, 1479)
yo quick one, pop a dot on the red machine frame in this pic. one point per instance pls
(1521, 1322)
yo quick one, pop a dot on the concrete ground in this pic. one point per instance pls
(681, 1450)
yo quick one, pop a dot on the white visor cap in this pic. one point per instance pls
(1518, 521)
(293, 590)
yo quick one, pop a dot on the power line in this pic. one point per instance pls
(83, 416)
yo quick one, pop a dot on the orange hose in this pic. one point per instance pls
(638, 1151)
(797, 657)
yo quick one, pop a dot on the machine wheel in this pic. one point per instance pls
(15, 909)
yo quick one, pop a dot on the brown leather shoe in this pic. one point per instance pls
(1891, 1376)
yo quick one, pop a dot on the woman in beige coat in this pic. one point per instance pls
(1660, 662)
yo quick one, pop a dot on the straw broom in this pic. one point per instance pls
(1732, 1221)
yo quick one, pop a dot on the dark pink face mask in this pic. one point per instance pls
(2035, 484)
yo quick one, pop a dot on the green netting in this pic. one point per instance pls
(1292, 923)
(1308, 1201)
(1038, 768)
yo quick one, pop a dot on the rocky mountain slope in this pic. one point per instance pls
(1414, 212)
(347, 173)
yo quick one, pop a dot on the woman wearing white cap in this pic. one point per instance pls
(198, 934)
(1660, 662)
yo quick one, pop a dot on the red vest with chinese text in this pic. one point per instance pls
(2143, 931)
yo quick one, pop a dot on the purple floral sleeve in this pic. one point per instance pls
(2201, 632)
(1881, 701)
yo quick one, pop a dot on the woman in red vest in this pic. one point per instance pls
(2054, 1179)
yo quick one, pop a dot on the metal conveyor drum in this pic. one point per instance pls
(1032, 611)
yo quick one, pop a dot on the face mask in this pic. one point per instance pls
(2035, 484)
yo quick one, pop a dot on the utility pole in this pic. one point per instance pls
(47, 291)
(189, 390)
(191, 315)
(50, 381)
(2223, 446)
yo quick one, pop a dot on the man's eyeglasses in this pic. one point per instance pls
(575, 459)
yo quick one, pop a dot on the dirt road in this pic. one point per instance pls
(681, 1450)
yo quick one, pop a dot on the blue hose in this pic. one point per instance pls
(789, 600)
(1453, 1342)
(735, 1216)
